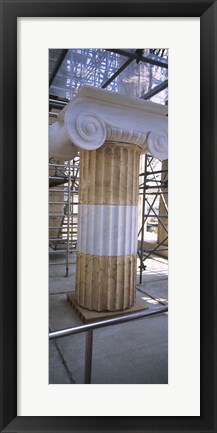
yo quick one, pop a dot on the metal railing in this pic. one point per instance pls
(89, 327)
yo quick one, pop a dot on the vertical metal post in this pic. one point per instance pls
(143, 221)
(88, 356)
(73, 203)
(68, 220)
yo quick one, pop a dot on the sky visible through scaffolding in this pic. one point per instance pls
(96, 66)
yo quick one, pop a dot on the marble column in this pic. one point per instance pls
(110, 131)
(107, 244)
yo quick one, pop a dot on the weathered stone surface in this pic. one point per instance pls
(105, 283)
(107, 233)
(110, 175)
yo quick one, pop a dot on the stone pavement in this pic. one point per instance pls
(130, 353)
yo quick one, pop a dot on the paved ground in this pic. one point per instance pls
(129, 353)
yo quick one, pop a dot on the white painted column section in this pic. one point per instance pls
(107, 230)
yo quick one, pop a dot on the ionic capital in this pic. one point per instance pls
(96, 115)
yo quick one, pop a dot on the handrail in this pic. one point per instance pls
(89, 327)
(108, 322)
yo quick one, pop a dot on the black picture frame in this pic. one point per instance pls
(10, 11)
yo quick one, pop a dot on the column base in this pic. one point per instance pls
(88, 316)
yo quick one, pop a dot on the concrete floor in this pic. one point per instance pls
(128, 353)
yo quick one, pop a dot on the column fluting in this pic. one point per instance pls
(107, 231)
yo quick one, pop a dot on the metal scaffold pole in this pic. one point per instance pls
(154, 189)
(68, 220)
(62, 215)
(143, 222)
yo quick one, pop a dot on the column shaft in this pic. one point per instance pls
(107, 232)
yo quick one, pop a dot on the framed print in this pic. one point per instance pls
(28, 401)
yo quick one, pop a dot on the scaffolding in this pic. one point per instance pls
(131, 72)
(63, 208)
(137, 72)
(153, 190)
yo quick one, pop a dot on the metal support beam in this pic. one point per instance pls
(156, 90)
(143, 212)
(142, 58)
(68, 221)
(153, 251)
(117, 73)
(54, 103)
(88, 356)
